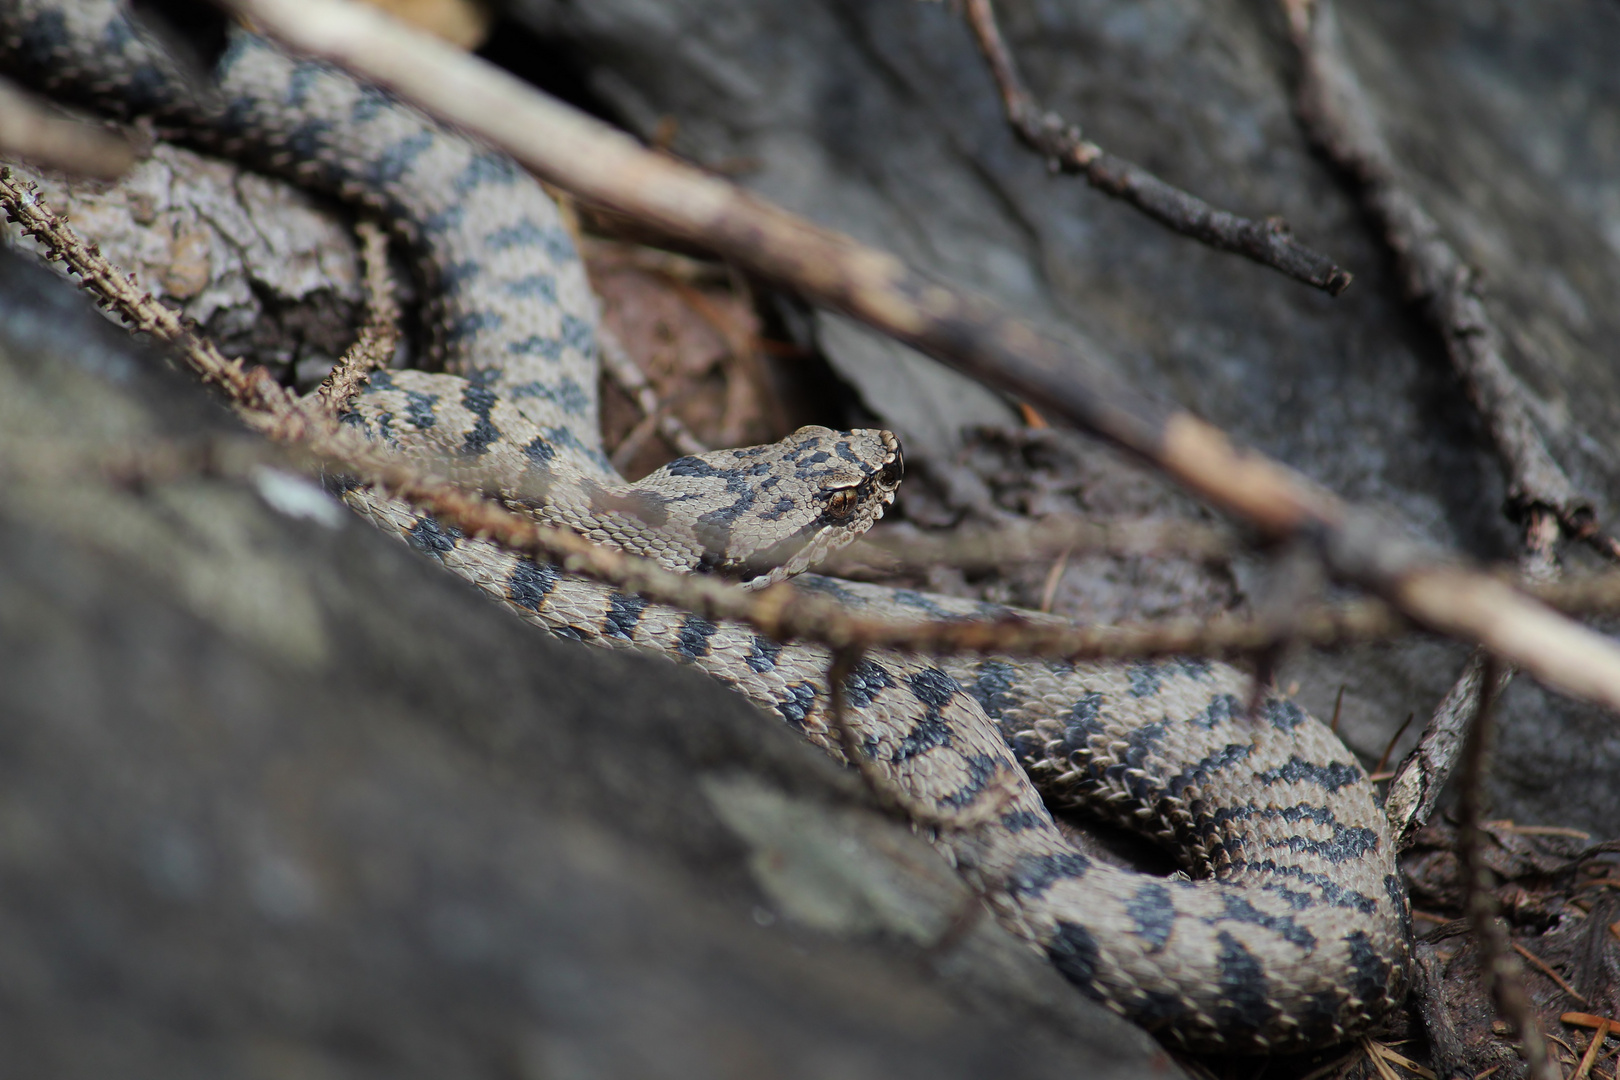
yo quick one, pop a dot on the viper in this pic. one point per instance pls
(1287, 927)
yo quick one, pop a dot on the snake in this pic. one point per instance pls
(1286, 926)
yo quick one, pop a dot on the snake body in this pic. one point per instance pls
(1291, 932)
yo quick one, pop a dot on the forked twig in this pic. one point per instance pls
(1333, 108)
(1267, 242)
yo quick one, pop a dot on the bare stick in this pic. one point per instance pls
(1423, 774)
(1267, 242)
(1336, 115)
(1024, 541)
(1334, 110)
(1502, 969)
(627, 375)
(1332, 105)
(1416, 788)
(374, 346)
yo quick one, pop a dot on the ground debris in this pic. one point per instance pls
(1560, 895)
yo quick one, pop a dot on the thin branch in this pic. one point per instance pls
(31, 131)
(1267, 242)
(1546, 969)
(252, 390)
(1335, 113)
(1502, 970)
(1024, 541)
(1415, 791)
(374, 345)
(1593, 1049)
(627, 375)
(604, 166)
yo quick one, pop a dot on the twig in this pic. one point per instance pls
(1025, 541)
(1423, 774)
(1415, 791)
(1389, 1054)
(1333, 108)
(30, 131)
(374, 345)
(1542, 966)
(1267, 242)
(1380, 1066)
(1389, 747)
(604, 166)
(1053, 576)
(627, 375)
(1593, 1048)
(111, 288)
(1502, 970)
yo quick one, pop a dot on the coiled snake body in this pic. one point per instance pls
(1295, 933)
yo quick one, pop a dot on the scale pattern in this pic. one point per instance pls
(1295, 932)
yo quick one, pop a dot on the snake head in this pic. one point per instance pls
(760, 514)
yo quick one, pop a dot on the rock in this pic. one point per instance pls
(279, 797)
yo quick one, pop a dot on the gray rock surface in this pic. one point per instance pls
(280, 798)
(265, 269)
(877, 117)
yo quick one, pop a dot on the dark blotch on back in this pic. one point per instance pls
(1037, 874)
(1154, 914)
(762, 655)
(1330, 777)
(796, 705)
(933, 688)
(1074, 952)
(1370, 972)
(624, 612)
(992, 688)
(1284, 715)
(529, 583)
(927, 734)
(429, 536)
(1145, 679)
(1238, 909)
(693, 640)
(866, 682)
(1244, 988)
(1221, 710)
(1084, 721)
(419, 409)
(479, 401)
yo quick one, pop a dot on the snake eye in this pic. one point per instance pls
(841, 503)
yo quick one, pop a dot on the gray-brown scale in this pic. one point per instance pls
(1299, 937)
